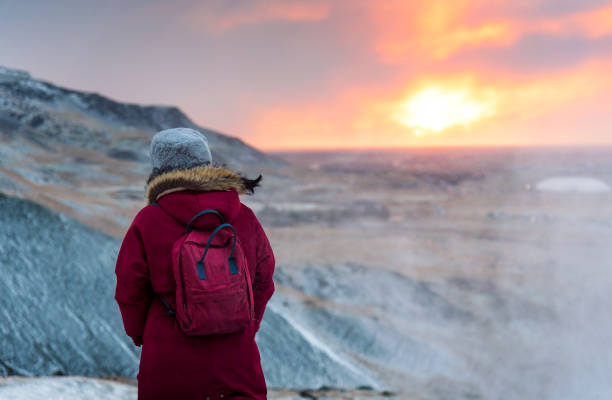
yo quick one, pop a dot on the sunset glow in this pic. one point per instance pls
(434, 109)
(296, 74)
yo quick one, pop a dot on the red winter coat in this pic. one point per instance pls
(174, 365)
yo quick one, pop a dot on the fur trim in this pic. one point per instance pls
(207, 178)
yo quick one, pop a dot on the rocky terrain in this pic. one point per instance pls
(86, 155)
(488, 278)
(59, 274)
(81, 388)
(408, 273)
(59, 211)
(56, 314)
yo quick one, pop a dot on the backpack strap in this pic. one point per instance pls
(171, 311)
(231, 261)
(198, 215)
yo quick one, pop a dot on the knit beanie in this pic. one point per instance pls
(179, 148)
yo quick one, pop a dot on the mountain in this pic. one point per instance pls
(57, 291)
(73, 167)
(59, 317)
(86, 155)
(72, 173)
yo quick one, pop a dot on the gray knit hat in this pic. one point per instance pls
(179, 148)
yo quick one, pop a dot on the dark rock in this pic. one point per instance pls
(37, 121)
(307, 394)
(125, 154)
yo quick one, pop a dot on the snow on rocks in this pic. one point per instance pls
(65, 388)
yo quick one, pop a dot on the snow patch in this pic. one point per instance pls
(295, 206)
(573, 184)
(65, 388)
(40, 86)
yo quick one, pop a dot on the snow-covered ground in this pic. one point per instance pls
(573, 184)
(65, 388)
(81, 388)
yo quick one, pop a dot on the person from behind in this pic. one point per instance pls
(194, 275)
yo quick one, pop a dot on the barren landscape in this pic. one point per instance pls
(474, 276)
(436, 273)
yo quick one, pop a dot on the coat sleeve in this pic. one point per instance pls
(263, 286)
(133, 292)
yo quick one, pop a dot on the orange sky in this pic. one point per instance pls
(478, 73)
(328, 74)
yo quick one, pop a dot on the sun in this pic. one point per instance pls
(434, 109)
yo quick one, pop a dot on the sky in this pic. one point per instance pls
(306, 74)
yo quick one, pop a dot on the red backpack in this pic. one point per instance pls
(213, 285)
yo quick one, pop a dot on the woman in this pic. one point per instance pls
(174, 365)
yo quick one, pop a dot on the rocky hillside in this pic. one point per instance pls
(72, 173)
(87, 155)
(57, 291)
(58, 315)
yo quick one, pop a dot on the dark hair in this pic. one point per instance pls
(249, 184)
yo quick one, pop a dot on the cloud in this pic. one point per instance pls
(533, 63)
(222, 16)
(416, 31)
(565, 7)
(321, 72)
(408, 32)
(367, 117)
(332, 74)
(536, 53)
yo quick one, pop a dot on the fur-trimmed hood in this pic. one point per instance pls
(206, 178)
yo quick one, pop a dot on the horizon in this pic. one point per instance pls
(319, 74)
(595, 146)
